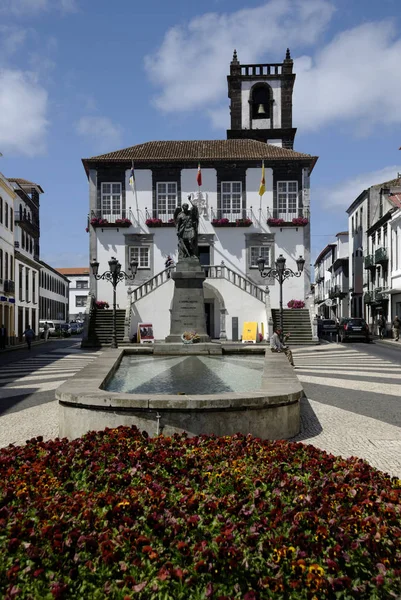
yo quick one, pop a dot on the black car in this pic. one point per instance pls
(352, 328)
(327, 327)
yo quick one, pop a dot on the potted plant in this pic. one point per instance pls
(300, 221)
(190, 337)
(101, 304)
(123, 222)
(245, 222)
(296, 304)
(98, 222)
(221, 222)
(275, 222)
(154, 222)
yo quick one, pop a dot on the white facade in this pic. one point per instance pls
(7, 263)
(237, 247)
(395, 258)
(78, 290)
(53, 295)
(358, 275)
(331, 279)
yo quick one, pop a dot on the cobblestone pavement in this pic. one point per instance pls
(353, 405)
(27, 384)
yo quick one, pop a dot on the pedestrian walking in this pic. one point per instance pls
(46, 331)
(381, 322)
(169, 264)
(29, 336)
(396, 328)
(3, 337)
(276, 345)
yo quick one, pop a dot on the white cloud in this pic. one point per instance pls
(191, 64)
(27, 7)
(343, 194)
(23, 107)
(103, 133)
(356, 78)
(11, 40)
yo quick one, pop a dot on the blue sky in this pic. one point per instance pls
(82, 77)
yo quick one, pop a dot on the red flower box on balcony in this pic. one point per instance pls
(296, 222)
(159, 223)
(227, 223)
(99, 222)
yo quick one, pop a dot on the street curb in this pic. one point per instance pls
(21, 347)
(388, 343)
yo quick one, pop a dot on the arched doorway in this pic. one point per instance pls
(215, 311)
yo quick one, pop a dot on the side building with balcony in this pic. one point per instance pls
(7, 263)
(78, 278)
(358, 258)
(132, 215)
(53, 294)
(26, 253)
(394, 290)
(331, 279)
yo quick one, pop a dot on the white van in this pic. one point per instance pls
(52, 329)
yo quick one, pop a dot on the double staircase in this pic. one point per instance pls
(101, 327)
(297, 323)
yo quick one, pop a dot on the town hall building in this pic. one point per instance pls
(134, 192)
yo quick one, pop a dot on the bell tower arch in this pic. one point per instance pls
(261, 101)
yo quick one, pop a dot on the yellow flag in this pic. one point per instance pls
(262, 187)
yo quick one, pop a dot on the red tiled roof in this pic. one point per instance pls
(198, 150)
(388, 184)
(24, 182)
(395, 200)
(74, 271)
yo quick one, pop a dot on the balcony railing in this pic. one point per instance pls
(369, 261)
(25, 221)
(368, 297)
(9, 286)
(379, 294)
(381, 255)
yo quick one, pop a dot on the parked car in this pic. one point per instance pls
(63, 330)
(327, 327)
(76, 328)
(352, 328)
(52, 328)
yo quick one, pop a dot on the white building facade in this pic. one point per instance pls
(27, 251)
(7, 263)
(332, 279)
(78, 278)
(135, 220)
(54, 295)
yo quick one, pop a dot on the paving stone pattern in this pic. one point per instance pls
(352, 407)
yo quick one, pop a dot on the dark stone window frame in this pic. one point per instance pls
(165, 175)
(110, 175)
(231, 173)
(140, 240)
(269, 115)
(287, 172)
(257, 240)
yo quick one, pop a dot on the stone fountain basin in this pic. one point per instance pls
(273, 412)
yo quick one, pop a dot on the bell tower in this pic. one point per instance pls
(261, 101)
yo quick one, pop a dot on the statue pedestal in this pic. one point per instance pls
(188, 309)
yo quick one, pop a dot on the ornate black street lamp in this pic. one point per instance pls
(115, 275)
(280, 272)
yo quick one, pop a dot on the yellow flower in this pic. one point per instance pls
(123, 503)
(316, 569)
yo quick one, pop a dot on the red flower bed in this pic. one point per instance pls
(118, 515)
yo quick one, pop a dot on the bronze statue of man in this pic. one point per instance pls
(187, 221)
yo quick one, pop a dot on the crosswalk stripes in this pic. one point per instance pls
(43, 373)
(351, 369)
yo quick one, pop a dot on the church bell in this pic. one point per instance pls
(261, 109)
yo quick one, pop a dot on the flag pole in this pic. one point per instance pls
(135, 194)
